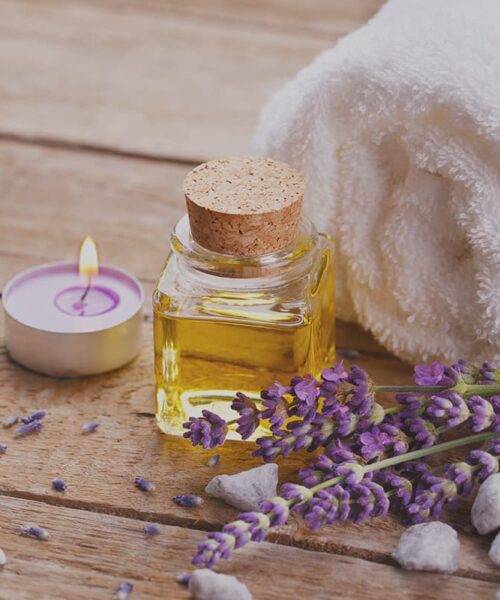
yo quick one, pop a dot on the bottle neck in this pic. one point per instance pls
(287, 262)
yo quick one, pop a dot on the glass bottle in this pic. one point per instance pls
(227, 323)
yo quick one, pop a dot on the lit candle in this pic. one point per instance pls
(69, 320)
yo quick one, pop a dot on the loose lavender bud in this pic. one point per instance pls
(59, 485)
(183, 578)
(144, 484)
(188, 501)
(3, 558)
(10, 421)
(89, 427)
(151, 529)
(36, 416)
(213, 461)
(3, 448)
(28, 429)
(124, 590)
(35, 532)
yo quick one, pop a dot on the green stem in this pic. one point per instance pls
(416, 454)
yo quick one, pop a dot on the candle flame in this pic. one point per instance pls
(89, 263)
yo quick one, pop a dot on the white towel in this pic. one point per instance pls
(397, 131)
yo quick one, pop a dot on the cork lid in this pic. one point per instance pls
(245, 206)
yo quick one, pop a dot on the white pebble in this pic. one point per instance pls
(494, 552)
(205, 584)
(246, 489)
(428, 547)
(3, 558)
(497, 595)
(485, 512)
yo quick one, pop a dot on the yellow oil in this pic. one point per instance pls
(239, 341)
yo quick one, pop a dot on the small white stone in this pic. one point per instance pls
(485, 512)
(497, 595)
(494, 552)
(428, 547)
(205, 584)
(246, 489)
(3, 558)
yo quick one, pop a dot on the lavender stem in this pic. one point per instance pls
(408, 456)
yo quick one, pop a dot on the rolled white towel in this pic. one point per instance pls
(397, 131)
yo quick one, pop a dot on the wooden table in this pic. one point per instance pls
(104, 106)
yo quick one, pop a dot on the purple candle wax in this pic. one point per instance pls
(100, 326)
(48, 297)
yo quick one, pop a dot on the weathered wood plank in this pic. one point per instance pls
(123, 78)
(89, 554)
(316, 17)
(100, 468)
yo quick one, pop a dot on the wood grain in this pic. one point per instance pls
(89, 554)
(100, 468)
(90, 73)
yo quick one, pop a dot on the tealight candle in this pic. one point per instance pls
(70, 320)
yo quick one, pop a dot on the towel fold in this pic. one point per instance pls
(397, 131)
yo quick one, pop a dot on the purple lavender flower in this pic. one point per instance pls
(327, 506)
(3, 448)
(488, 373)
(373, 443)
(213, 461)
(144, 484)
(208, 430)
(28, 429)
(306, 391)
(294, 491)
(89, 427)
(424, 433)
(297, 436)
(362, 398)
(432, 494)
(412, 405)
(448, 406)
(151, 529)
(188, 500)
(368, 499)
(35, 532)
(483, 413)
(124, 590)
(10, 421)
(335, 374)
(461, 474)
(36, 416)
(59, 485)
(429, 375)
(249, 415)
(399, 487)
(485, 463)
(250, 526)
(275, 406)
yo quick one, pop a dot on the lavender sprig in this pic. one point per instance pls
(355, 492)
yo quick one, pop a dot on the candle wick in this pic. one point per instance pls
(87, 290)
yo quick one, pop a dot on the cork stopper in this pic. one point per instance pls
(244, 206)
